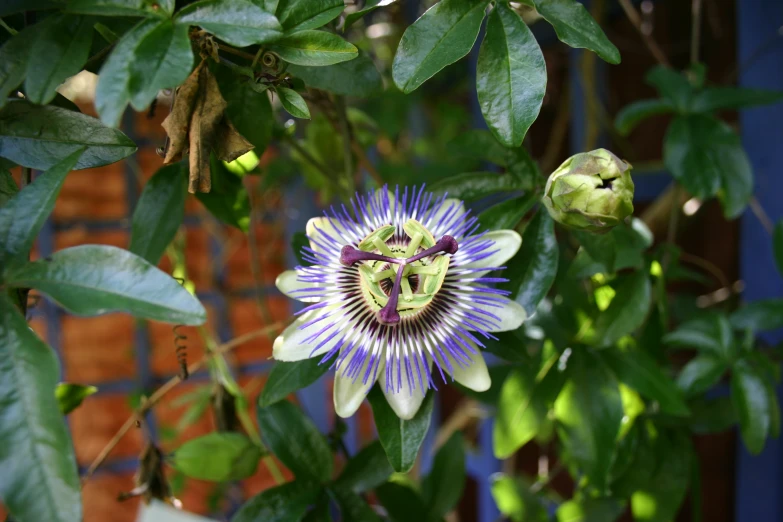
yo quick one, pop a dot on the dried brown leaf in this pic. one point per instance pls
(177, 122)
(230, 143)
(197, 126)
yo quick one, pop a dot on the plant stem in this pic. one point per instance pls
(345, 130)
(695, 30)
(5, 26)
(649, 41)
(309, 157)
(761, 214)
(170, 385)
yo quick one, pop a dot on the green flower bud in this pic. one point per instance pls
(590, 191)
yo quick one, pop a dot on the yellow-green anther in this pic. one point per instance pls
(414, 244)
(433, 283)
(380, 276)
(407, 293)
(382, 247)
(412, 227)
(425, 270)
(383, 233)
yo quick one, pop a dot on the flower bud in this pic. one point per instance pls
(590, 191)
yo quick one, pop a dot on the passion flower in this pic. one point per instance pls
(396, 287)
(590, 191)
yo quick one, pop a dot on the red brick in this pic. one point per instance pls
(98, 193)
(100, 499)
(94, 423)
(245, 317)
(97, 349)
(81, 236)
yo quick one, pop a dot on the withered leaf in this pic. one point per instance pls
(197, 126)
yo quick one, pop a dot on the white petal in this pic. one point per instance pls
(288, 282)
(455, 209)
(318, 228)
(473, 375)
(506, 244)
(510, 313)
(406, 401)
(349, 393)
(290, 345)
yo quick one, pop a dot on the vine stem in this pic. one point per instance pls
(649, 41)
(167, 387)
(695, 30)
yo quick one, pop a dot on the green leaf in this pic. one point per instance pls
(710, 334)
(510, 76)
(590, 412)
(576, 28)
(508, 214)
(295, 440)
(590, 510)
(248, 110)
(40, 137)
(91, 280)
(237, 22)
(154, 55)
(115, 7)
(444, 34)
(660, 497)
(532, 271)
(707, 157)
(59, 52)
(442, 488)
(358, 77)
(70, 396)
(627, 310)
(366, 470)
(299, 15)
(17, 6)
(228, 200)
(286, 503)
(752, 402)
(40, 478)
(475, 185)
(672, 85)
(521, 413)
(22, 217)
(218, 457)
(700, 374)
(401, 439)
(159, 213)
(293, 102)
(479, 144)
(353, 508)
(712, 415)
(634, 113)
(732, 98)
(401, 501)
(759, 316)
(288, 377)
(8, 188)
(14, 55)
(515, 500)
(622, 247)
(777, 245)
(638, 370)
(314, 48)
(369, 6)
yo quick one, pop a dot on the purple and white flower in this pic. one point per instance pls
(398, 292)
